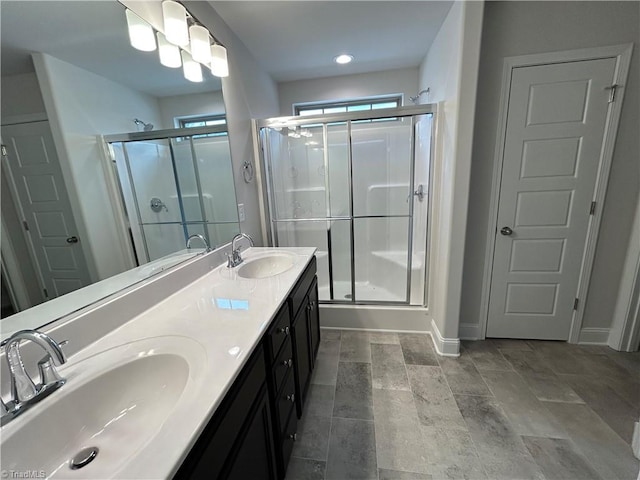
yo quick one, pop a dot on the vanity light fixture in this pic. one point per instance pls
(199, 41)
(140, 33)
(175, 23)
(219, 63)
(343, 59)
(192, 69)
(169, 53)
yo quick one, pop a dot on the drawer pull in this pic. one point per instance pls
(288, 363)
(292, 397)
(293, 436)
(284, 330)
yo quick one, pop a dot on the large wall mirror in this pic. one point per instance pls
(110, 160)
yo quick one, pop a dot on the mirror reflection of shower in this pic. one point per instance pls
(147, 127)
(416, 98)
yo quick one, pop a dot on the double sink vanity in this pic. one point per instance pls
(208, 381)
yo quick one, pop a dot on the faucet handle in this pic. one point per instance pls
(48, 373)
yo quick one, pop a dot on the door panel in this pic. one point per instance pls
(555, 129)
(37, 181)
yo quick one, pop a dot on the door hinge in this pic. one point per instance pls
(4, 150)
(612, 92)
(592, 209)
(575, 304)
(46, 294)
(26, 225)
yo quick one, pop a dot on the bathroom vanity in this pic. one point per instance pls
(201, 372)
(252, 433)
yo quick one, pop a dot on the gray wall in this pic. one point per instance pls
(403, 81)
(519, 28)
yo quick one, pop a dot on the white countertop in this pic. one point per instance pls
(221, 318)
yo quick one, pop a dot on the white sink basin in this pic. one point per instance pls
(118, 410)
(266, 266)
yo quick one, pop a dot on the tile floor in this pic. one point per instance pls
(384, 406)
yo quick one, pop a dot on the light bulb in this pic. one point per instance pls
(169, 53)
(219, 64)
(140, 33)
(200, 46)
(192, 69)
(175, 23)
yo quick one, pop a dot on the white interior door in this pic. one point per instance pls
(555, 129)
(42, 199)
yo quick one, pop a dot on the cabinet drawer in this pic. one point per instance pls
(299, 293)
(286, 400)
(289, 438)
(279, 332)
(282, 366)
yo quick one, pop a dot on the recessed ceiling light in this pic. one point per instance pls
(343, 59)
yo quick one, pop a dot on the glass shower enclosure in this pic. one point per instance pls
(356, 186)
(176, 183)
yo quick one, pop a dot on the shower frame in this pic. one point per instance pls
(166, 134)
(268, 208)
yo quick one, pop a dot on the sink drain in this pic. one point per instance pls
(83, 458)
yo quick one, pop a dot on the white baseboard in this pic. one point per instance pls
(373, 317)
(447, 347)
(594, 336)
(635, 442)
(469, 331)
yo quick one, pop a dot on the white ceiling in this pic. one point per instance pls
(295, 40)
(91, 35)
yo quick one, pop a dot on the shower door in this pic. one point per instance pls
(345, 184)
(176, 184)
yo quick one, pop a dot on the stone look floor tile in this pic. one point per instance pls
(486, 356)
(605, 401)
(353, 398)
(320, 400)
(326, 367)
(352, 450)
(433, 398)
(355, 347)
(313, 437)
(527, 414)
(305, 469)
(451, 453)
(400, 446)
(462, 376)
(559, 460)
(417, 349)
(550, 388)
(527, 362)
(388, 368)
(500, 449)
(607, 453)
(330, 334)
(383, 337)
(508, 344)
(394, 406)
(384, 474)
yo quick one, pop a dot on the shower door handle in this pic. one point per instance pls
(73, 239)
(420, 192)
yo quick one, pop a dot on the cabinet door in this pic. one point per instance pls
(255, 454)
(302, 357)
(313, 317)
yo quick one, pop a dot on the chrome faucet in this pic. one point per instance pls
(202, 239)
(234, 258)
(24, 392)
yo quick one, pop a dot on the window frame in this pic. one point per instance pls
(356, 102)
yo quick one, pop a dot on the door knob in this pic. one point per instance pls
(73, 239)
(506, 231)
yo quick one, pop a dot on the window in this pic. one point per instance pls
(360, 105)
(204, 121)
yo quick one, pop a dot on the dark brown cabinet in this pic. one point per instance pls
(252, 433)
